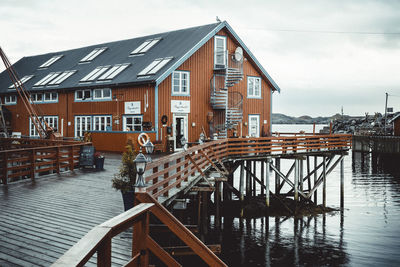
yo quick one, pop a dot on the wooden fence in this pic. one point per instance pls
(27, 158)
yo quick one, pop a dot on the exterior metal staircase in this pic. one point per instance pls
(228, 105)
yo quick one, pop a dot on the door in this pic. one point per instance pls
(220, 52)
(254, 125)
(180, 130)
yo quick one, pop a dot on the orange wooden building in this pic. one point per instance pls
(172, 85)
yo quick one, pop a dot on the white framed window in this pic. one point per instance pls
(254, 125)
(220, 52)
(22, 81)
(45, 97)
(50, 61)
(83, 95)
(155, 66)
(181, 83)
(102, 123)
(132, 123)
(10, 100)
(145, 46)
(36, 97)
(51, 121)
(92, 55)
(82, 124)
(104, 93)
(253, 87)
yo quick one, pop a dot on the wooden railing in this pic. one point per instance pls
(99, 238)
(171, 171)
(29, 158)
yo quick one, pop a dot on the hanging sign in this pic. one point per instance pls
(132, 107)
(180, 106)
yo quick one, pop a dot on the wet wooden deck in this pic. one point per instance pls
(40, 222)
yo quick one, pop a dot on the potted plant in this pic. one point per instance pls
(126, 177)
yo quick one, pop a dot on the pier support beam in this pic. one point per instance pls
(296, 179)
(217, 203)
(277, 177)
(342, 183)
(324, 182)
(248, 179)
(315, 179)
(254, 181)
(241, 181)
(262, 178)
(267, 174)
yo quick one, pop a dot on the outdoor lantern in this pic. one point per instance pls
(149, 147)
(141, 162)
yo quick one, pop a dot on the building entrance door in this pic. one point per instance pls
(254, 125)
(180, 130)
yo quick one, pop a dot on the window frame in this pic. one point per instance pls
(133, 116)
(225, 58)
(50, 119)
(10, 99)
(50, 62)
(181, 73)
(102, 97)
(254, 79)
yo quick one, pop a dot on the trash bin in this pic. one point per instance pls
(99, 162)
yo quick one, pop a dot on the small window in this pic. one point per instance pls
(144, 47)
(82, 124)
(253, 87)
(180, 83)
(155, 66)
(62, 77)
(50, 61)
(114, 71)
(10, 99)
(83, 95)
(92, 55)
(51, 121)
(50, 97)
(22, 81)
(132, 123)
(104, 93)
(94, 74)
(101, 123)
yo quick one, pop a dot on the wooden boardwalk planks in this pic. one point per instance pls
(40, 221)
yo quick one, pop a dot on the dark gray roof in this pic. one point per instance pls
(178, 44)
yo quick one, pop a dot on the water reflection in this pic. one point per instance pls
(281, 241)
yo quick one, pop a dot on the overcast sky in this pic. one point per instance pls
(322, 54)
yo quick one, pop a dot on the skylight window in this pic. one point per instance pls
(114, 71)
(50, 61)
(94, 74)
(144, 47)
(22, 81)
(62, 77)
(49, 77)
(92, 55)
(155, 66)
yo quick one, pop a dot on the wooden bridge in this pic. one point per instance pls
(173, 176)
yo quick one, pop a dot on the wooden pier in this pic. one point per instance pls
(376, 144)
(203, 169)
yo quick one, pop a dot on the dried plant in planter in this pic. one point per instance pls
(126, 177)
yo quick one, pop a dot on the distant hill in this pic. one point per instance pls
(278, 118)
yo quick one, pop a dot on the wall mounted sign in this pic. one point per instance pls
(180, 106)
(132, 107)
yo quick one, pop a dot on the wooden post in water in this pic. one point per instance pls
(277, 177)
(204, 215)
(217, 203)
(262, 178)
(254, 180)
(248, 181)
(342, 183)
(301, 174)
(267, 174)
(315, 178)
(296, 179)
(241, 181)
(324, 182)
(308, 173)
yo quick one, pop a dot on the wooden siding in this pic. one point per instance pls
(201, 68)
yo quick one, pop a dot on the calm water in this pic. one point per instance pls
(366, 233)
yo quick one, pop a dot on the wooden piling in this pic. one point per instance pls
(315, 178)
(262, 178)
(277, 177)
(296, 180)
(324, 182)
(301, 174)
(241, 181)
(217, 203)
(342, 184)
(267, 174)
(254, 180)
(308, 173)
(248, 179)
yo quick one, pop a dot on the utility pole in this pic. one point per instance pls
(385, 111)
